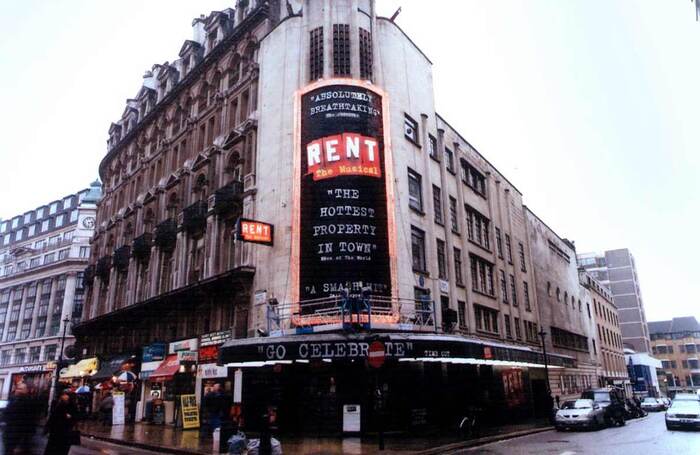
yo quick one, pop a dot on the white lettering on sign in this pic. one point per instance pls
(348, 146)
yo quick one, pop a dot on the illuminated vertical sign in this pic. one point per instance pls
(342, 217)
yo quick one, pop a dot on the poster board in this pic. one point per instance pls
(189, 411)
(118, 408)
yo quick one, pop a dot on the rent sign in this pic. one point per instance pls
(343, 233)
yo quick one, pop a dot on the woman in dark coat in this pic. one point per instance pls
(60, 426)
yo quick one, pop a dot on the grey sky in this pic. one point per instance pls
(590, 108)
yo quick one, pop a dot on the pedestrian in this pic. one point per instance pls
(21, 417)
(556, 398)
(216, 403)
(61, 427)
(106, 406)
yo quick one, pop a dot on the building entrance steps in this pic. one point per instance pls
(167, 439)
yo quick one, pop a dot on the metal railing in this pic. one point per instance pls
(350, 313)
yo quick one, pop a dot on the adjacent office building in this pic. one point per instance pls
(616, 269)
(43, 253)
(676, 343)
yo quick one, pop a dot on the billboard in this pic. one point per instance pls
(343, 195)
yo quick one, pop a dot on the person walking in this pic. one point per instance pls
(216, 402)
(106, 406)
(20, 417)
(61, 427)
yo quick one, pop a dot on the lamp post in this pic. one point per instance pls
(550, 402)
(59, 364)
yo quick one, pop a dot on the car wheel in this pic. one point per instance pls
(621, 421)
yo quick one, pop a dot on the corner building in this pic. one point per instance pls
(43, 253)
(387, 232)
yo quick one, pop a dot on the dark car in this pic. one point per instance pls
(611, 401)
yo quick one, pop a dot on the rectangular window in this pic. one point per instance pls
(478, 228)
(50, 352)
(437, 205)
(508, 250)
(473, 178)
(449, 160)
(63, 254)
(454, 221)
(458, 267)
(513, 291)
(32, 230)
(316, 54)
(503, 285)
(410, 129)
(526, 297)
(49, 258)
(482, 275)
(499, 243)
(462, 314)
(521, 253)
(73, 216)
(569, 340)
(415, 192)
(84, 251)
(418, 249)
(432, 148)
(506, 324)
(34, 354)
(52, 208)
(365, 54)
(341, 49)
(59, 221)
(5, 357)
(442, 265)
(486, 319)
(518, 330)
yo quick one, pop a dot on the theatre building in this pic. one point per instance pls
(286, 214)
(43, 253)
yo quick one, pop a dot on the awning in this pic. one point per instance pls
(165, 370)
(85, 367)
(111, 367)
(261, 351)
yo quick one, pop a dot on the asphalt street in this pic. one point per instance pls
(639, 437)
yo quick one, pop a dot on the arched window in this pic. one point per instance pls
(173, 206)
(200, 187)
(149, 221)
(128, 233)
(558, 295)
(234, 70)
(234, 167)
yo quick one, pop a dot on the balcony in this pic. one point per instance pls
(120, 258)
(103, 267)
(166, 235)
(141, 249)
(194, 217)
(227, 199)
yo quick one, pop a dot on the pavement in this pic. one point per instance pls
(644, 436)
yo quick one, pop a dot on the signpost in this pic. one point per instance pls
(190, 411)
(253, 231)
(118, 408)
(375, 354)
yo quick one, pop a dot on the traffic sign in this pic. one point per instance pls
(375, 354)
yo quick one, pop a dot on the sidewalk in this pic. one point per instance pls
(164, 438)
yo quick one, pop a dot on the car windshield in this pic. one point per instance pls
(685, 406)
(578, 404)
(650, 400)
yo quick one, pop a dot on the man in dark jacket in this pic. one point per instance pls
(217, 404)
(20, 417)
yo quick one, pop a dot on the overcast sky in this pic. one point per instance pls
(590, 107)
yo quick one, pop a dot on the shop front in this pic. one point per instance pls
(120, 373)
(77, 374)
(175, 376)
(406, 382)
(208, 372)
(37, 378)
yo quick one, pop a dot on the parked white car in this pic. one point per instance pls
(581, 413)
(683, 414)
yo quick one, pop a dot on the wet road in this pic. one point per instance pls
(638, 437)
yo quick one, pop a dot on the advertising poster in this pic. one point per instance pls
(190, 411)
(118, 409)
(513, 387)
(343, 214)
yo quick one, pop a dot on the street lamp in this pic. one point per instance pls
(59, 364)
(550, 402)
